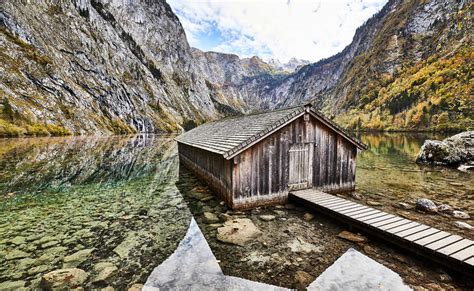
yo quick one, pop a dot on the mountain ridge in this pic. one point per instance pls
(108, 66)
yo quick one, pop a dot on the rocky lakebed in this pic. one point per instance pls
(104, 212)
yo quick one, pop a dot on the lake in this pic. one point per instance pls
(123, 203)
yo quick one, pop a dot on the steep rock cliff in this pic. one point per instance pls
(97, 66)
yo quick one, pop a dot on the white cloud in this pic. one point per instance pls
(274, 28)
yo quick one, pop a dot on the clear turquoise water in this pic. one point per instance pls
(119, 197)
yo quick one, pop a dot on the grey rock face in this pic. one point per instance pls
(100, 66)
(449, 152)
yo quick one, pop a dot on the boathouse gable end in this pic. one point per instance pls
(257, 159)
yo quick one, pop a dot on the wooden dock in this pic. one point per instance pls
(445, 248)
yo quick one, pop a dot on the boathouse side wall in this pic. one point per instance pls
(210, 167)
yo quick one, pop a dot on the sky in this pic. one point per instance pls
(280, 29)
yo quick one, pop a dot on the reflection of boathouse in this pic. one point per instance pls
(257, 159)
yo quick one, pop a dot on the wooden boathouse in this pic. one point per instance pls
(257, 159)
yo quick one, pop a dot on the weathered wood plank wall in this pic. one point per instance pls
(210, 167)
(260, 173)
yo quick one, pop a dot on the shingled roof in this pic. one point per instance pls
(230, 136)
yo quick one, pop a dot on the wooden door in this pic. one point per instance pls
(300, 166)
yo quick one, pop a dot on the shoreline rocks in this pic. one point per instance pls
(426, 205)
(452, 151)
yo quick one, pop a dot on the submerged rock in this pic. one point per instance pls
(238, 231)
(452, 151)
(105, 272)
(210, 217)
(404, 205)
(299, 245)
(133, 241)
(445, 208)
(426, 205)
(374, 203)
(466, 168)
(18, 240)
(463, 225)
(303, 279)
(64, 279)
(12, 285)
(267, 217)
(77, 258)
(460, 214)
(136, 287)
(351, 236)
(308, 216)
(16, 254)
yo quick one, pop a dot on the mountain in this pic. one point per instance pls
(291, 66)
(98, 66)
(113, 66)
(409, 67)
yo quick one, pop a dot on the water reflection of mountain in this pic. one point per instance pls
(38, 163)
(397, 144)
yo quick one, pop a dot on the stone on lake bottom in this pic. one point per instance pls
(105, 271)
(38, 269)
(133, 241)
(18, 240)
(64, 279)
(445, 208)
(404, 205)
(460, 214)
(238, 231)
(303, 279)
(299, 245)
(308, 216)
(280, 212)
(426, 205)
(136, 287)
(351, 236)
(210, 217)
(355, 271)
(267, 217)
(12, 285)
(463, 225)
(16, 254)
(77, 258)
(374, 203)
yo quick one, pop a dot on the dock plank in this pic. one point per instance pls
(464, 254)
(455, 247)
(444, 242)
(433, 243)
(386, 221)
(421, 234)
(377, 219)
(370, 213)
(470, 261)
(432, 238)
(413, 230)
(394, 224)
